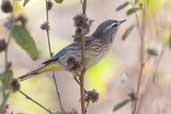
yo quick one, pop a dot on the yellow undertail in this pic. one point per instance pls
(54, 66)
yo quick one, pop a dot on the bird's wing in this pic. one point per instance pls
(68, 49)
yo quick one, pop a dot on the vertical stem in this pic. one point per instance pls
(142, 33)
(4, 93)
(9, 35)
(82, 92)
(51, 54)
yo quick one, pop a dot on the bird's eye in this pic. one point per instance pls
(115, 25)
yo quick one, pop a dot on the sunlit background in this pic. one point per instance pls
(114, 77)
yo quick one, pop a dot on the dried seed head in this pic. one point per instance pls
(6, 6)
(45, 26)
(15, 85)
(49, 5)
(82, 24)
(21, 19)
(92, 96)
(3, 45)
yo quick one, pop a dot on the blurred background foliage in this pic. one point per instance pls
(107, 76)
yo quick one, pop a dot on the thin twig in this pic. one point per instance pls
(81, 2)
(82, 92)
(142, 64)
(155, 70)
(6, 96)
(34, 101)
(51, 54)
(137, 18)
(9, 34)
(87, 106)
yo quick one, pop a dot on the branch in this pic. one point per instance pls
(82, 92)
(51, 54)
(34, 101)
(142, 64)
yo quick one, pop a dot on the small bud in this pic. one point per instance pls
(6, 6)
(49, 5)
(45, 26)
(3, 45)
(153, 52)
(132, 96)
(15, 85)
(92, 96)
(154, 48)
(21, 19)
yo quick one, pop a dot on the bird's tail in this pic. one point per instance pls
(54, 66)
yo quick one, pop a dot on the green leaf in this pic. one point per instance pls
(120, 105)
(25, 41)
(59, 1)
(122, 6)
(4, 101)
(25, 2)
(132, 10)
(6, 79)
(127, 32)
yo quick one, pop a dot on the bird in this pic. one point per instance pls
(97, 46)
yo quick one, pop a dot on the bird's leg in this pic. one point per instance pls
(78, 81)
(75, 67)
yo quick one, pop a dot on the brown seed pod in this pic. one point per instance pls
(15, 85)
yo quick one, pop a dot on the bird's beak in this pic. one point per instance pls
(122, 21)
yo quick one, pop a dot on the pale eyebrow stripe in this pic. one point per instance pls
(110, 26)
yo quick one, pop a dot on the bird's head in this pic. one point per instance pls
(107, 29)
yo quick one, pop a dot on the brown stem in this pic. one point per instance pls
(82, 92)
(142, 64)
(51, 54)
(83, 62)
(34, 101)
